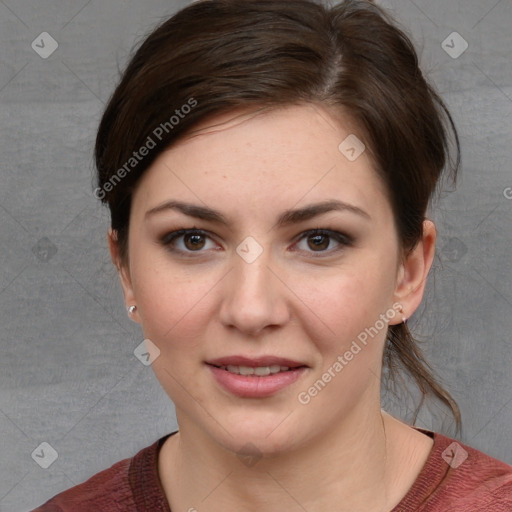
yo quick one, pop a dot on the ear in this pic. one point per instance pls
(413, 272)
(123, 272)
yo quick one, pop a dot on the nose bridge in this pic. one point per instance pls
(252, 299)
(252, 287)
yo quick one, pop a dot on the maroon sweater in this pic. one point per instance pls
(455, 478)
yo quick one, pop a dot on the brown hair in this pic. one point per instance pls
(216, 56)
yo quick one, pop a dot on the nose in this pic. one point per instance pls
(254, 297)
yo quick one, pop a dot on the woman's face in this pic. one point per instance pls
(252, 285)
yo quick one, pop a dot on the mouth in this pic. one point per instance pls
(257, 371)
(258, 366)
(255, 377)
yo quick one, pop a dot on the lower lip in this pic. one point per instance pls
(252, 386)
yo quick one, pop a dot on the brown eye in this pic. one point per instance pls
(188, 241)
(194, 241)
(324, 242)
(318, 242)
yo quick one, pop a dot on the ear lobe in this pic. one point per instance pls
(123, 273)
(413, 271)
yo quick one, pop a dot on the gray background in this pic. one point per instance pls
(68, 374)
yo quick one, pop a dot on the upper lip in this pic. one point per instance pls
(253, 362)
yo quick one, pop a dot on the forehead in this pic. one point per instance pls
(259, 158)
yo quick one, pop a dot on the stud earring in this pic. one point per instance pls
(131, 309)
(404, 319)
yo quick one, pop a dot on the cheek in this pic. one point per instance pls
(343, 305)
(344, 322)
(173, 303)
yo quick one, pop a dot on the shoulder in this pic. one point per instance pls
(107, 490)
(457, 477)
(118, 488)
(476, 478)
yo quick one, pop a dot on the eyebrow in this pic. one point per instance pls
(288, 217)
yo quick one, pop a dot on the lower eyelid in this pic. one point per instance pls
(169, 240)
(340, 238)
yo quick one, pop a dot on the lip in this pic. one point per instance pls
(252, 386)
(253, 362)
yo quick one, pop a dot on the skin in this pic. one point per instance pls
(339, 451)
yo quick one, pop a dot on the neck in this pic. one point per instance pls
(346, 468)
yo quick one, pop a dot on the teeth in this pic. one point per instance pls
(245, 370)
(260, 371)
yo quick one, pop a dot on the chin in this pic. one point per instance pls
(256, 436)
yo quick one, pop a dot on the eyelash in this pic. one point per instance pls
(343, 239)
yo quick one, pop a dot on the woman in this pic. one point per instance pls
(268, 166)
